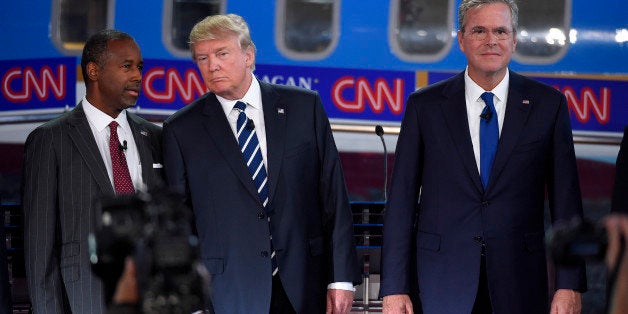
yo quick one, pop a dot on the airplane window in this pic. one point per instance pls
(421, 30)
(543, 34)
(179, 18)
(307, 29)
(73, 21)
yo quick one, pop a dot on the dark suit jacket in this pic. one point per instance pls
(620, 190)
(5, 289)
(437, 202)
(311, 219)
(64, 174)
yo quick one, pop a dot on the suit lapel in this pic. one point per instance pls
(275, 112)
(455, 115)
(83, 138)
(517, 111)
(218, 129)
(142, 140)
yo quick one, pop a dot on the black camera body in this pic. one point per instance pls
(155, 229)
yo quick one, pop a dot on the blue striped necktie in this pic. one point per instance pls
(489, 136)
(250, 148)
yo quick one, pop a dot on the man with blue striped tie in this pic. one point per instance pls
(258, 165)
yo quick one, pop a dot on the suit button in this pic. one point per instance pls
(484, 203)
(261, 215)
(264, 253)
(477, 239)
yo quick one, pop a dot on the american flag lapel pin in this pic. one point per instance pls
(281, 111)
(525, 102)
(144, 133)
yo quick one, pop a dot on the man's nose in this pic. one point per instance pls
(491, 38)
(213, 65)
(137, 74)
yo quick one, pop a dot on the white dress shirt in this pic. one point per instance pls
(99, 123)
(475, 105)
(254, 111)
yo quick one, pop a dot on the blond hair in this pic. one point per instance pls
(219, 27)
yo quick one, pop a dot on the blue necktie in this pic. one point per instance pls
(250, 148)
(489, 136)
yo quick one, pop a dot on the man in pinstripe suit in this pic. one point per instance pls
(67, 166)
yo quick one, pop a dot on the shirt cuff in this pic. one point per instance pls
(341, 286)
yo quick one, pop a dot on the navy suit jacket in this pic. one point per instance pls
(438, 208)
(620, 189)
(64, 174)
(5, 289)
(311, 219)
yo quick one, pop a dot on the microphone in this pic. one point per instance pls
(123, 145)
(380, 132)
(486, 115)
(250, 125)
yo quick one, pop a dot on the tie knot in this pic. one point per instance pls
(488, 99)
(113, 125)
(240, 106)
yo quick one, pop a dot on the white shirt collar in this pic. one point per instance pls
(101, 120)
(474, 91)
(253, 97)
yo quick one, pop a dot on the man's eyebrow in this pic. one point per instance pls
(499, 28)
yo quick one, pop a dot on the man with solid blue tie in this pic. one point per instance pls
(476, 155)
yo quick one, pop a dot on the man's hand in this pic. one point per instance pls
(397, 304)
(126, 290)
(339, 301)
(617, 230)
(566, 301)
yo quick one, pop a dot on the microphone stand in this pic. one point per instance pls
(380, 132)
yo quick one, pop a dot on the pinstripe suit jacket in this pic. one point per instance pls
(64, 174)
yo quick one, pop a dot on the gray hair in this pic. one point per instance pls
(466, 5)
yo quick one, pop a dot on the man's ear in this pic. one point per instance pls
(250, 57)
(92, 71)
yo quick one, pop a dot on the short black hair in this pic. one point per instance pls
(95, 49)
